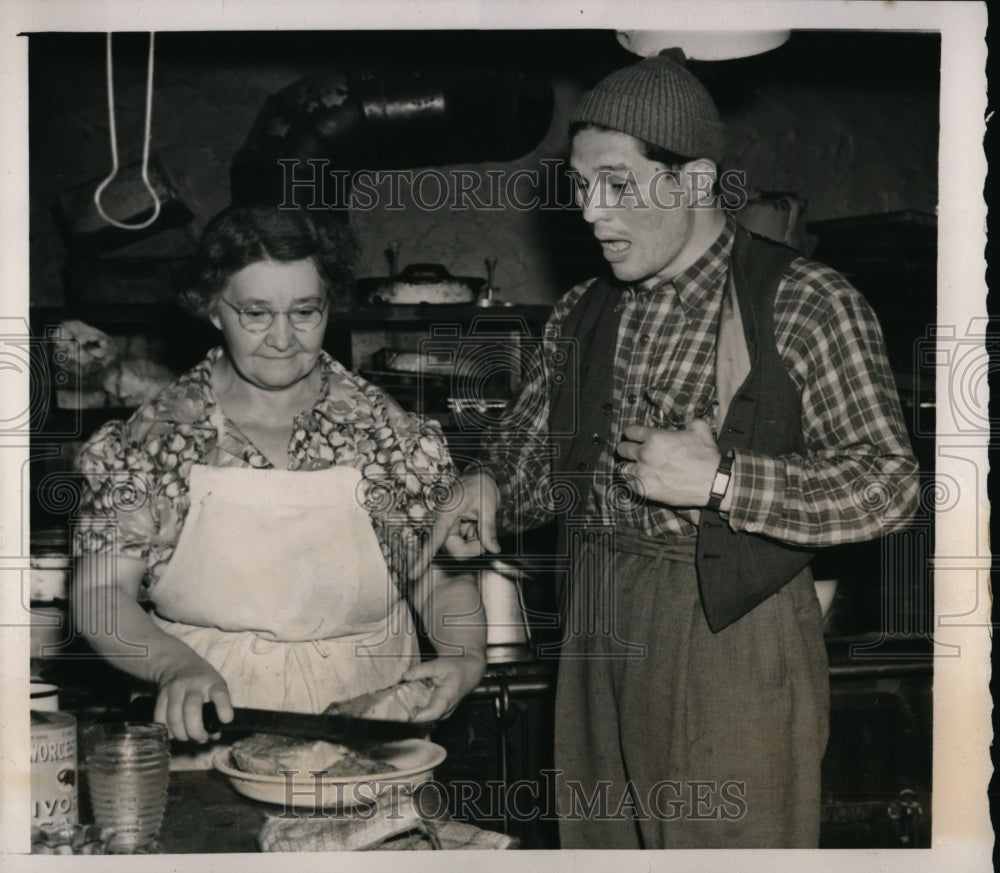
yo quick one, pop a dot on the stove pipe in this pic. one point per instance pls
(342, 121)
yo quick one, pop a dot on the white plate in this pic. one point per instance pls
(412, 760)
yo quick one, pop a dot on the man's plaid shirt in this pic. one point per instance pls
(857, 477)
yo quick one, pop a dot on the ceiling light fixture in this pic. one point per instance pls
(703, 45)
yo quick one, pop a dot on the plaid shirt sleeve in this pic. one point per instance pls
(857, 479)
(517, 451)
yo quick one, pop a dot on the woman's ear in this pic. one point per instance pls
(700, 176)
(213, 314)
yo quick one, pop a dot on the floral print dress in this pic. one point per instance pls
(136, 472)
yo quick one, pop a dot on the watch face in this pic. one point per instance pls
(720, 484)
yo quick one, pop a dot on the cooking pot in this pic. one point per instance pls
(420, 283)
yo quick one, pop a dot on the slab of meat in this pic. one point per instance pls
(400, 702)
(269, 754)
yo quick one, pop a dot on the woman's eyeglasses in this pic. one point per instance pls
(257, 319)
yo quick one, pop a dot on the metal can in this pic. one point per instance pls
(53, 771)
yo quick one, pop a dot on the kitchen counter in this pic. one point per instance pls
(878, 757)
(205, 815)
(500, 732)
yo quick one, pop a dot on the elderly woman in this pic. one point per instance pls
(271, 506)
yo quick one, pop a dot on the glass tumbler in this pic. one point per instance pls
(128, 766)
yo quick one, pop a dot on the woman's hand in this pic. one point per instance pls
(184, 689)
(452, 677)
(186, 681)
(440, 597)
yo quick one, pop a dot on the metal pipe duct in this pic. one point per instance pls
(382, 117)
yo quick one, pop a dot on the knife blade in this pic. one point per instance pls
(526, 569)
(331, 727)
(315, 727)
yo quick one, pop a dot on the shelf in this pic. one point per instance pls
(380, 315)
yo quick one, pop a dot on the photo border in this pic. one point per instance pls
(962, 834)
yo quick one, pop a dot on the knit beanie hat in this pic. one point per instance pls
(659, 101)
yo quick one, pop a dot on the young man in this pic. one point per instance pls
(718, 409)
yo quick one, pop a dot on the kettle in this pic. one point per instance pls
(507, 635)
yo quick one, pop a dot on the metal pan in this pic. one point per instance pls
(430, 278)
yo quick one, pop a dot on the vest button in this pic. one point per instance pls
(581, 466)
(597, 439)
(632, 398)
(607, 409)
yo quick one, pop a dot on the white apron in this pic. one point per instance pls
(279, 583)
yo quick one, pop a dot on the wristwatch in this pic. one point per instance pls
(720, 485)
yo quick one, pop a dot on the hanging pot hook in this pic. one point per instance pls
(114, 144)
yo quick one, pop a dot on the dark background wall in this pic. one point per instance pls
(847, 121)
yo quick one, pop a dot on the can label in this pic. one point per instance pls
(53, 770)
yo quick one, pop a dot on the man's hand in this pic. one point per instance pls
(675, 467)
(469, 528)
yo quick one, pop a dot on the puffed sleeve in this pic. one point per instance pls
(116, 511)
(411, 479)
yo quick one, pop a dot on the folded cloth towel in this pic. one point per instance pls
(449, 835)
(394, 824)
(349, 830)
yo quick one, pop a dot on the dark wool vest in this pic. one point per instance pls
(736, 570)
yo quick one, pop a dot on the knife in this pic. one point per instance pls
(527, 569)
(331, 727)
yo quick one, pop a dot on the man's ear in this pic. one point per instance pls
(699, 181)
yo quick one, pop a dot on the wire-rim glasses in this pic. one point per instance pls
(257, 319)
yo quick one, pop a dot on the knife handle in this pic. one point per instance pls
(142, 709)
(210, 718)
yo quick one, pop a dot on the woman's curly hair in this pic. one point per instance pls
(243, 235)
